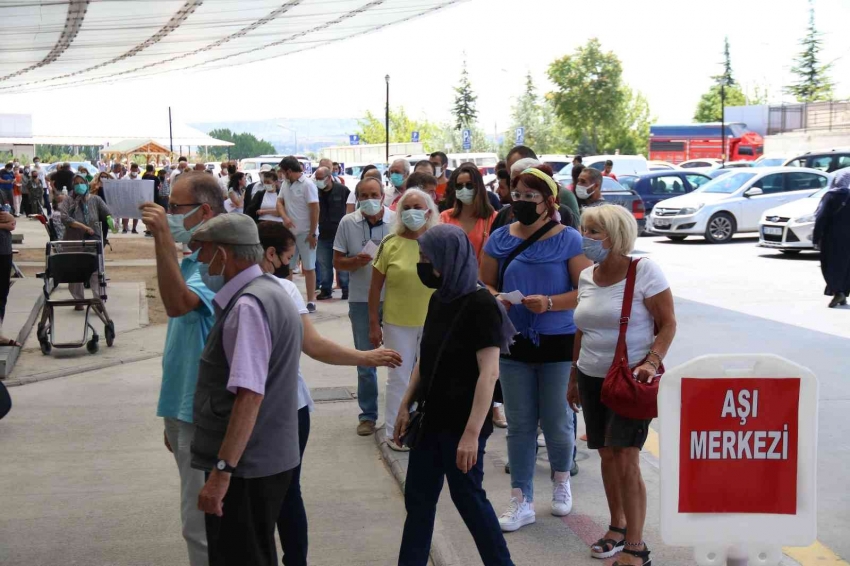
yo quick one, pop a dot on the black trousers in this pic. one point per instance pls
(292, 521)
(244, 535)
(25, 204)
(5, 276)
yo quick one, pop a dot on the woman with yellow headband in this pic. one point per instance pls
(543, 260)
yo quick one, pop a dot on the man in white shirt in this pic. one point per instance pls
(182, 165)
(298, 206)
(224, 176)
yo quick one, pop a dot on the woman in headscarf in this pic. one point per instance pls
(81, 213)
(832, 236)
(465, 331)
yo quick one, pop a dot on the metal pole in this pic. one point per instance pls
(723, 123)
(387, 121)
(170, 135)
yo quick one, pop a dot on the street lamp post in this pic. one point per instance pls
(387, 120)
(294, 133)
(723, 123)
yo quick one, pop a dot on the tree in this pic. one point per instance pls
(814, 83)
(372, 129)
(709, 108)
(589, 91)
(630, 134)
(536, 116)
(464, 110)
(245, 144)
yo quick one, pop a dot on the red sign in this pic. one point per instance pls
(738, 446)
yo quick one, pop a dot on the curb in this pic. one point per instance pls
(104, 364)
(442, 550)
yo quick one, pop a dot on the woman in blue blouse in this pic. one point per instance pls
(535, 374)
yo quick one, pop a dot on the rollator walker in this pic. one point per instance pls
(74, 262)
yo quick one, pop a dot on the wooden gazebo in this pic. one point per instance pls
(129, 148)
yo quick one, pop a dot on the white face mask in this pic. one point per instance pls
(438, 172)
(466, 196)
(269, 187)
(133, 175)
(583, 192)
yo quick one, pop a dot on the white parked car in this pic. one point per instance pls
(789, 228)
(733, 203)
(623, 164)
(661, 166)
(706, 162)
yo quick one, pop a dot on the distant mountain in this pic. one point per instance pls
(312, 133)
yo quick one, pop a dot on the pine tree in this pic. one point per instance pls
(726, 78)
(464, 109)
(814, 83)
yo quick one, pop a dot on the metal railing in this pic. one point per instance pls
(812, 116)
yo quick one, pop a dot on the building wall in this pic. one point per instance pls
(795, 143)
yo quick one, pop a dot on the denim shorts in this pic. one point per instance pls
(604, 427)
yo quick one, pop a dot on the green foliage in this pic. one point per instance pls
(814, 83)
(55, 153)
(245, 145)
(726, 78)
(372, 129)
(464, 110)
(630, 133)
(589, 92)
(543, 131)
(709, 108)
(451, 140)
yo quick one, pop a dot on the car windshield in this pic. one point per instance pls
(609, 185)
(628, 181)
(727, 184)
(773, 162)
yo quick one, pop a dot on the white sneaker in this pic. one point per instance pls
(541, 440)
(518, 514)
(562, 498)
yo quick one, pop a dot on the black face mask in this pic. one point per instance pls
(426, 275)
(526, 212)
(282, 272)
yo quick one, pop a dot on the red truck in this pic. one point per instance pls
(679, 143)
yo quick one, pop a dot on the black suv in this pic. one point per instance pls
(826, 161)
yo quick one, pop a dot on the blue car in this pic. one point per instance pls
(656, 186)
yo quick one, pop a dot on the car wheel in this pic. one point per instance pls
(721, 228)
(677, 238)
(790, 252)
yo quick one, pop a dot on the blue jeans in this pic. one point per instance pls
(292, 521)
(325, 268)
(536, 392)
(367, 378)
(431, 461)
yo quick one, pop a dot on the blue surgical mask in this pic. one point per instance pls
(466, 196)
(175, 224)
(321, 183)
(371, 207)
(213, 282)
(397, 179)
(593, 249)
(413, 219)
(81, 189)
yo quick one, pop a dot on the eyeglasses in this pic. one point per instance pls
(530, 196)
(172, 207)
(469, 186)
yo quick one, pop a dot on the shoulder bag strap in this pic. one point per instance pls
(442, 348)
(628, 295)
(527, 243)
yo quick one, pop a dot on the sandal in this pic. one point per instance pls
(9, 342)
(609, 546)
(642, 554)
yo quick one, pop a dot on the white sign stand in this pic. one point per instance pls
(719, 538)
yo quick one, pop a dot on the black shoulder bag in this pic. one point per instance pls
(415, 428)
(521, 248)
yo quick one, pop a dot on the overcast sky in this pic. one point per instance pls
(669, 50)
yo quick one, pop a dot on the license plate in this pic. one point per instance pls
(772, 231)
(661, 223)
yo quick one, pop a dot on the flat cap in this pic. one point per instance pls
(232, 229)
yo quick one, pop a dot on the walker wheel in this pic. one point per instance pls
(92, 345)
(109, 332)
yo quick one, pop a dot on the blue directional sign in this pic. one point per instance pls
(467, 139)
(520, 135)
(354, 139)
(414, 137)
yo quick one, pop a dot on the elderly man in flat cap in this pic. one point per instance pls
(246, 401)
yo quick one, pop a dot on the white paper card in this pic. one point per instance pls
(125, 196)
(514, 297)
(370, 248)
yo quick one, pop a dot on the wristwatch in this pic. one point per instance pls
(223, 466)
(549, 308)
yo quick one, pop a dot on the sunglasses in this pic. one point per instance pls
(469, 186)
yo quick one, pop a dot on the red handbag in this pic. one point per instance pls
(621, 392)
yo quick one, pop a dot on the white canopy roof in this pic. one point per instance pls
(51, 43)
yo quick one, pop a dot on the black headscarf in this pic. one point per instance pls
(448, 249)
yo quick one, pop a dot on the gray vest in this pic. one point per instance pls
(273, 446)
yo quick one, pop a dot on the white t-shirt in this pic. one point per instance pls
(598, 317)
(296, 196)
(352, 198)
(269, 201)
(304, 399)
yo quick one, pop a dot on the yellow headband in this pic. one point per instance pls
(553, 186)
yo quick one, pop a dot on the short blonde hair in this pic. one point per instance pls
(617, 222)
(430, 222)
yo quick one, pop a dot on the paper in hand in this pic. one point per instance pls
(370, 249)
(514, 297)
(125, 196)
